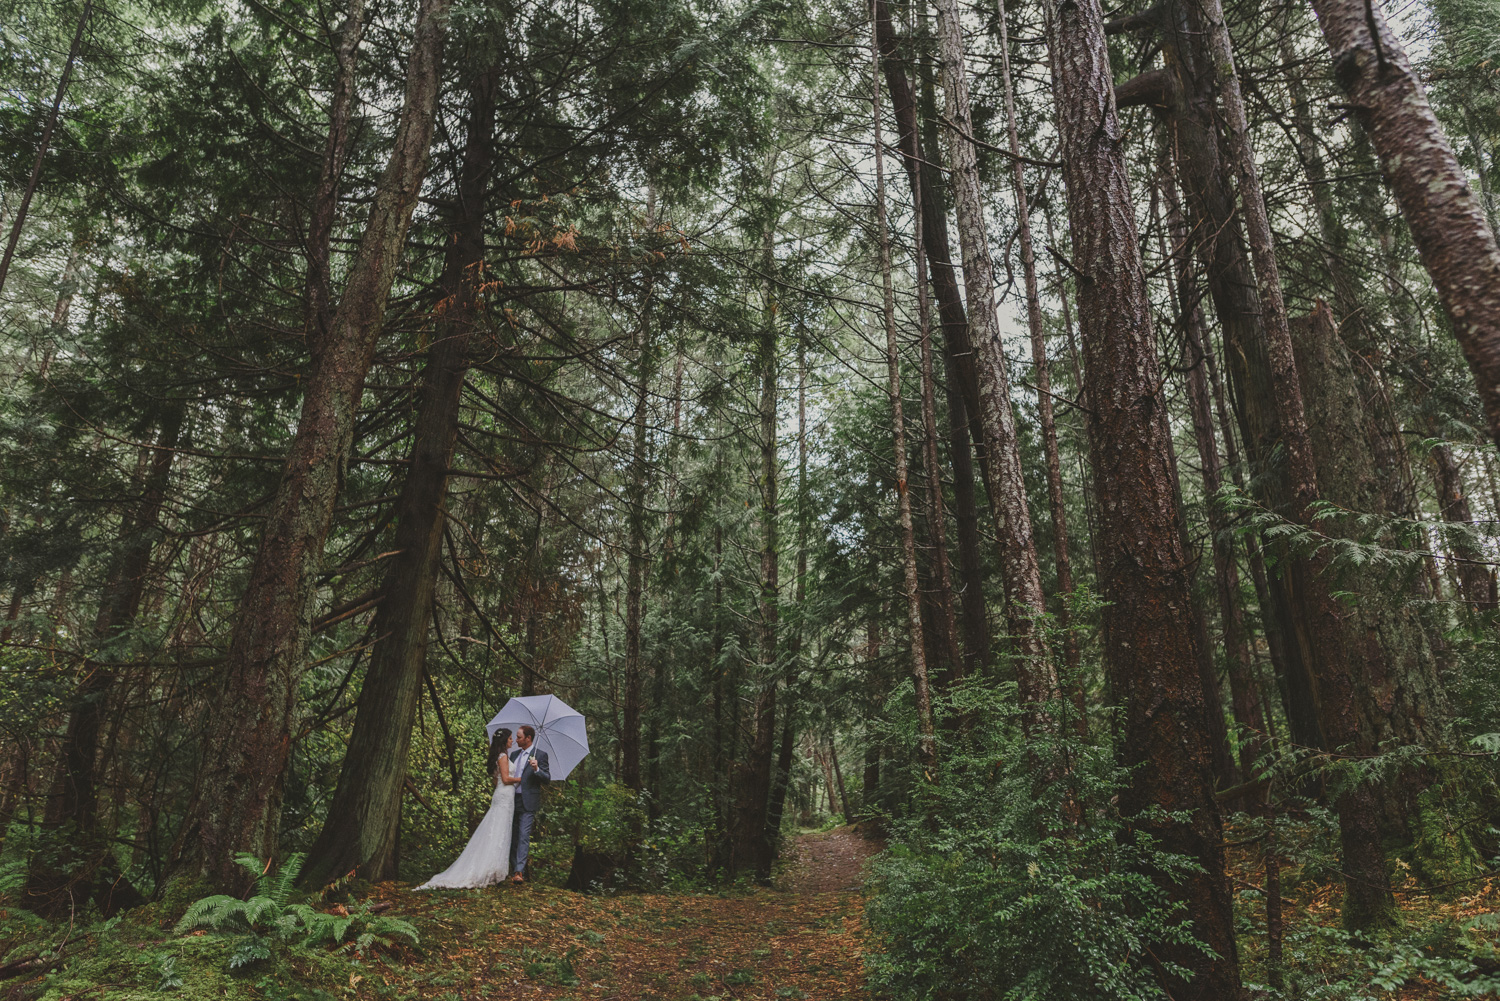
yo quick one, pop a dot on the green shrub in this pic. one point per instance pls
(270, 916)
(984, 893)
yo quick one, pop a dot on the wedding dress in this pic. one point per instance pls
(486, 858)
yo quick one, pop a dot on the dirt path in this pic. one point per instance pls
(830, 862)
(802, 939)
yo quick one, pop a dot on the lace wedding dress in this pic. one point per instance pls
(486, 858)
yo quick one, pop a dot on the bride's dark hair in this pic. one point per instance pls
(497, 748)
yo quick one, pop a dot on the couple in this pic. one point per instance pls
(501, 844)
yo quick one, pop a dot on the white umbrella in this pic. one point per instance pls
(560, 729)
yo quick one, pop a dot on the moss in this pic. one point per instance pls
(1369, 920)
(21, 933)
(176, 897)
(132, 961)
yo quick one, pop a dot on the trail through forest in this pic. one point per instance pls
(804, 937)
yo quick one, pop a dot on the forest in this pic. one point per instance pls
(1011, 487)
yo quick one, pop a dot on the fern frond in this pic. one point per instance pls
(210, 912)
(394, 926)
(286, 879)
(260, 910)
(250, 864)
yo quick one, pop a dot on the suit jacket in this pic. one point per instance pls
(532, 779)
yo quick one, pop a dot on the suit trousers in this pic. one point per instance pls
(520, 837)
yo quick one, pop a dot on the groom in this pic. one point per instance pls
(531, 764)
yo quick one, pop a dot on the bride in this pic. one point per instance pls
(486, 858)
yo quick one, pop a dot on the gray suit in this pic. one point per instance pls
(528, 802)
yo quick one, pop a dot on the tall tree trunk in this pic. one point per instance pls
(1021, 576)
(324, 209)
(1149, 645)
(1270, 625)
(1368, 899)
(71, 811)
(1400, 695)
(1447, 221)
(1042, 374)
(247, 733)
(838, 779)
(363, 820)
(1182, 290)
(876, 795)
(782, 778)
(1244, 692)
(937, 521)
(721, 845)
(924, 175)
(751, 848)
(635, 567)
(1476, 581)
(927, 750)
(1184, 94)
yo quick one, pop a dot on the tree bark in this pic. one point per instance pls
(924, 175)
(1184, 96)
(782, 778)
(635, 568)
(1149, 645)
(247, 733)
(1368, 900)
(1244, 692)
(1183, 289)
(927, 741)
(325, 203)
(838, 778)
(1447, 221)
(937, 521)
(1400, 695)
(1021, 575)
(751, 848)
(1034, 326)
(1476, 579)
(362, 826)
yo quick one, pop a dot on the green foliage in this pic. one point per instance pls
(270, 915)
(982, 896)
(604, 817)
(1329, 963)
(556, 970)
(168, 978)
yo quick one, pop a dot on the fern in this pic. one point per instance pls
(286, 879)
(214, 912)
(271, 912)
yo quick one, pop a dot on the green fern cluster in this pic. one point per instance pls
(272, 913)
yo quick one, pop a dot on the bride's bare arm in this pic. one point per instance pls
(504, 771)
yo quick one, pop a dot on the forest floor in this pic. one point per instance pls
(803, 937)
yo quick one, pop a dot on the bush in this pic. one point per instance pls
(985, 894)
(610, 820)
